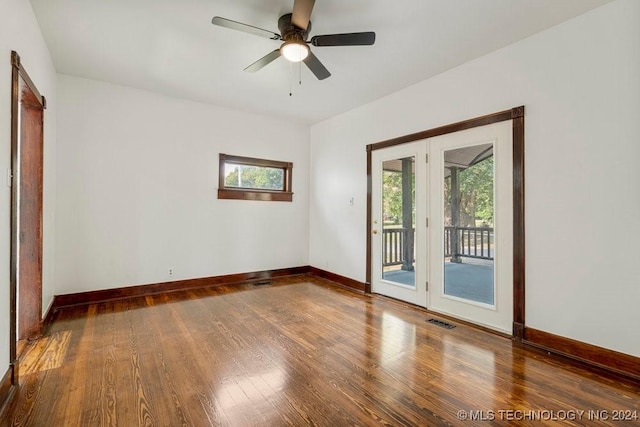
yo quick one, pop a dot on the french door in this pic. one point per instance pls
(442, 227)
(398, 242)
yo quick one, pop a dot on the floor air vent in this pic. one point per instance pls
(263, 283)
(441, 323)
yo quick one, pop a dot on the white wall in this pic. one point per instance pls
(137, 190)
(580, 83)
(20, 32)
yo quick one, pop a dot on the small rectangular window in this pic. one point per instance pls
(254, 179)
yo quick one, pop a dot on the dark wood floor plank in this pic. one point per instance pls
(297, 352)
(192, 368)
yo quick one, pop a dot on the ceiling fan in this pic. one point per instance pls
(294, 28)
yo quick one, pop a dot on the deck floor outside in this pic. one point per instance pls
(470, 281)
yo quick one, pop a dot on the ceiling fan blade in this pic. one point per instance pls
(350, 39)
(265, 60)
(302, 13)
(316, 66)
(228, 23)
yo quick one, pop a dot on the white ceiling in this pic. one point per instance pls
(171, 47)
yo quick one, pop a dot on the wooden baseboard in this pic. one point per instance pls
(7, 391)
(48, 318)
(341, 280)
(114, 294)
(600, 357)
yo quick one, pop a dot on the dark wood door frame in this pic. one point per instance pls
(28, 102)
(516, 115)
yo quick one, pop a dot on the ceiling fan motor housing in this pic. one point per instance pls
(290, 31)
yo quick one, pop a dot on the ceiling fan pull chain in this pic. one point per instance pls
(300, 73)
(290, 78)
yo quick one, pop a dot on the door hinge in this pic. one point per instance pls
(426, 158)
(426, 285)
(9, 178)
(427, 222)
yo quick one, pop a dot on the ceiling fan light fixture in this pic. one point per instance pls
(294, 50)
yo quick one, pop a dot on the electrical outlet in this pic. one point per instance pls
(171, 269)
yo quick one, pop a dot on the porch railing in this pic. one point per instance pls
(473, 242)
(393, 244)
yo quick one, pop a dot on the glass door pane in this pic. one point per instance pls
(469, 243)
(398, 221)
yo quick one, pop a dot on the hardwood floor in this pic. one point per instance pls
(297, 352)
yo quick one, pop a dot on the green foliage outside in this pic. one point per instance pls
(255, 177)
(476, 195)
(392, 197)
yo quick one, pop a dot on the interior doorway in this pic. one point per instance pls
(26, 179)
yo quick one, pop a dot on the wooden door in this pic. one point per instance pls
(27, 111)
(30, 158)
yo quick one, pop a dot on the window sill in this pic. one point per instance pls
(261, 195)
